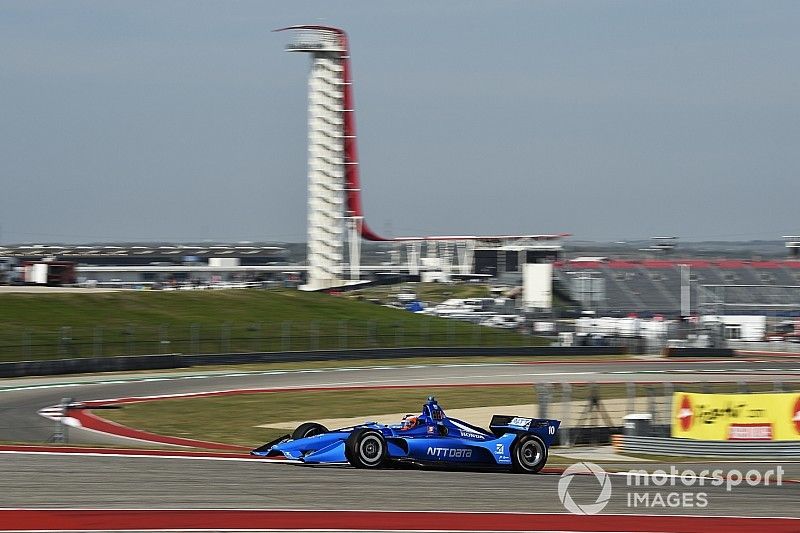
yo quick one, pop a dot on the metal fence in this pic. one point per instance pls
(770, 347)
(591, 412)
(287, 335)
(670, 446)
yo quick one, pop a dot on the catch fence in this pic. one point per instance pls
(591, 412)
(255, 337)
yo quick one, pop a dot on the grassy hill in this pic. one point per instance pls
(40, 326)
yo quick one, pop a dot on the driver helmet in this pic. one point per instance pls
(409, 422)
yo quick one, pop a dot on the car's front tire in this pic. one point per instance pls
(365, 448)
(529, 454)
(309, 429)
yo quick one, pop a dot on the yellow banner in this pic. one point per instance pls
(736, 417)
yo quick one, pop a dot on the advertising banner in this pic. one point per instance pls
(736, 417)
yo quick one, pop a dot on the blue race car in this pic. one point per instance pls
(516, 443)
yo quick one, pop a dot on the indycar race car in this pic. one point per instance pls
(516, 443)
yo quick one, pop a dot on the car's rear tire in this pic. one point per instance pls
(365, 448)
(309, 429)
(528, 455)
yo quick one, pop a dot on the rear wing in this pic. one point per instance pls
(544, 428)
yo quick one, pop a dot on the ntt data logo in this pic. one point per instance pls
(584, 469)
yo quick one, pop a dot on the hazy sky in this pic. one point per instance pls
(610, 120)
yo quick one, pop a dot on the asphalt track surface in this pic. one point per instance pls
(119, 482)
(63, 481)
(21, 399)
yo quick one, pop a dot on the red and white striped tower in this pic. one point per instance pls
(334, 190)
(327, 159)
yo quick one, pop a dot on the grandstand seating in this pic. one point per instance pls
(649, 287)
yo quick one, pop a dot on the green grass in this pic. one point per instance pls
(45, 326)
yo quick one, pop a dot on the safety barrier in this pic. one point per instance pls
(152, 362)
(671, 446)
(699, 352)
(89, 364)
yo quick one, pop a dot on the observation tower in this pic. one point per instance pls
(333, 205)
(335, 212)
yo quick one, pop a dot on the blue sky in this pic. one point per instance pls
(607, 119)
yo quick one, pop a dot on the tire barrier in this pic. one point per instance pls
(154, 362)
(671, 446)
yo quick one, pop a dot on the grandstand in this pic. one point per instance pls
(653, 286)
(121, 254)
(146, 264)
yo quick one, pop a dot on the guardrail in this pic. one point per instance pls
(672, 446)
(89, 364)
(699, 352)
(152, 362)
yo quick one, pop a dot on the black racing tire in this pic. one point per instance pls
(365, 448)
(309, 429)
(528, 455)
